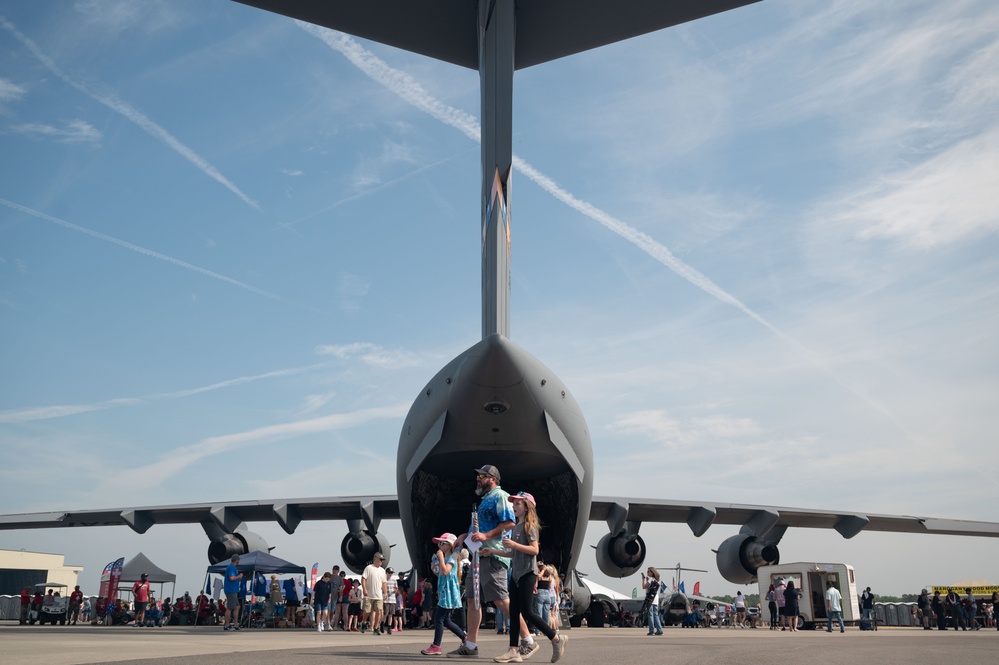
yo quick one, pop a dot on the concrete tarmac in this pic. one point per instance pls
(82, 644)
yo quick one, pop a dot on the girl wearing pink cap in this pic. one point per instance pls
(522, 547)
(445, 565)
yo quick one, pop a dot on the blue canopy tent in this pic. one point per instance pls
(252, 563)
(259, 562)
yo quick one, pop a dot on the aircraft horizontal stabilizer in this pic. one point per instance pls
(448, 29)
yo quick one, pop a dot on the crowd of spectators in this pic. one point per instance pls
(287, 603)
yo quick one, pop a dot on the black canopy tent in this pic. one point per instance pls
(133, 569)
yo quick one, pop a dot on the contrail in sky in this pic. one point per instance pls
(132, 114)
(61, 410)
(411, 91)
(140, 250)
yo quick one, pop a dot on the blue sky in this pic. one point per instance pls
(761, 249)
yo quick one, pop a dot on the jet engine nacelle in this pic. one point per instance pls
(621, 555)
(238, 542)
(358, 549)
(739, 557)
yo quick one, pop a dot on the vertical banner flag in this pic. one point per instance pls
(113, 583)
(315, 572)
(697, 588)
(105, 580)
(681, 588)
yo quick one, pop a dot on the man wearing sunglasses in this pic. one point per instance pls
(496, 519)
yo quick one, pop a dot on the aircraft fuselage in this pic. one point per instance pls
(495, 404)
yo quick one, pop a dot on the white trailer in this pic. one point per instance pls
(810, 578)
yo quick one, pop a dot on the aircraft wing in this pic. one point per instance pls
(699, 516)
(448, 29)
(227, 515)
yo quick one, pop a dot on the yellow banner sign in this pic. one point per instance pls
(977, 591)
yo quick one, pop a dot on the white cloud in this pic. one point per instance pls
(74, 131)
(184, 456)
(371, 354)
(658, 426)
(370, 169)
(115, 16)
(944, 200)
(59, 411)
(10, 91)
(352, 288)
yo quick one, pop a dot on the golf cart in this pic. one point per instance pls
(52, 609)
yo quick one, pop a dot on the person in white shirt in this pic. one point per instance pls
(740, 609)
(374, 586)
(833, 608)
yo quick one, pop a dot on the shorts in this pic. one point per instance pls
(373, 605)
(322, 607)
(493, 576)
(354, 610)
(389, 609)
(232, 600)
(140, 606)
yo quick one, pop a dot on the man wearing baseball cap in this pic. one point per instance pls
(374, 585)
(230, 586)
(496, 519)
(141, 592)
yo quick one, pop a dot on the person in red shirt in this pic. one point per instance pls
(75, 603)
(101, 611)
(184, 608)
(201, 602)
(25, 604)
(141, 592)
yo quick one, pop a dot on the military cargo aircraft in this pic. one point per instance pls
(495, 403)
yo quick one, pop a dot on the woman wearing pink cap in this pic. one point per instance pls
(522, 546)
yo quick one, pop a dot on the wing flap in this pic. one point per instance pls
(848, 524)
(286, 512)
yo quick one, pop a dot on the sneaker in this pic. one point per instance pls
(509, 657)
(225, 627)
(463, 651)
(559, 648)
(235, 628)
(319, 628)
(432, 650)
(528, 650)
